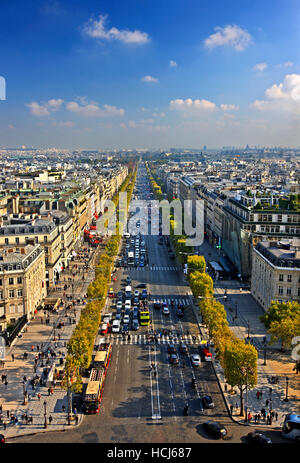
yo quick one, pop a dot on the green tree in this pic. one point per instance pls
(240, 366)
(278, 311)
(284, 331)
(196, 263)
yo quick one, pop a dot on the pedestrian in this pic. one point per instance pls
(267, 402)
(255, 418)
(50, 419)
(13, 357)
(236, 406)
(249, 417)
(76, 419)
(63, 408)
(225, 387)
(4, 425)
(32, 348)
(49, 391)
(258, 417)
(257, 394)
(231, 409)
(8, 413)
(39, 396)
(75, 411)
(6, 383)
(276, 416)
(261, 394)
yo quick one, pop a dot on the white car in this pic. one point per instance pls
(166, 311)
(195, 360)
(127, 304)
(116, 326)
(126, 319)
(119, 305)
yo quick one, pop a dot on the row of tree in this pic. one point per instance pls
(238, 359)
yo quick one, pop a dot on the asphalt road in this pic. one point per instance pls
(138, 407)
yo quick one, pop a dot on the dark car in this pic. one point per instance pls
(125, 328)
(215, 429)
(173, 359)
(2, 439)
(179, 313)
(135, 325)
(141, 285)
(171, 349)
(157, 305)
(207, 402)
(183, 348)
(258, 438)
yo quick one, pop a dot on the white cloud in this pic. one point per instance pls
(286, 64)
(37, 109)
(149, 79)
(284, 96)
(63, 124)
(97, 29)
(193, 105)
(162, 114)
(260, 67)
(94, 110)
(172, 63)
(55, 104)
(229, 107)
(231, 35)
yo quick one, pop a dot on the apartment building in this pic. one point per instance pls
(17, 231)
(276, 271)
(22, 282)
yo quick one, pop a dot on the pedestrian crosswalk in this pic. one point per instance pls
(118, 339)
(158, 268)
(177, 301)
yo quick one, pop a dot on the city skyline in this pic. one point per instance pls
(148, 75)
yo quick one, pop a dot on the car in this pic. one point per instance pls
(106, 320)
(116, 326)
(157, 305)
(142, 263)
(195, 360)
(171, 349)
(111, 293)
(142, 285)
(258, 438)
(183, 348)
(119, 304)
(104, 328)
(215, 429)
(118, 316)
(207, 401)
(120, 295)
(128, 305)
(2, 439)
(136, 293)
(206, 355)
(173, 359)
(126, 319)
(179, 313)
(136, 300)
(125, 328)
(135, 324)
(128, 279)
(166, 311)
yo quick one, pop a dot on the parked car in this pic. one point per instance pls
(215, 429)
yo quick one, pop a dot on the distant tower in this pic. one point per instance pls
(204, 148)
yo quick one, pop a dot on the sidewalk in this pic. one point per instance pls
(41, 336)
(243, 314)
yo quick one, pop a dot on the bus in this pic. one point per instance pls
(94, 391)
(291, 427)
(103, 356)
(144, 317)
(131, 258)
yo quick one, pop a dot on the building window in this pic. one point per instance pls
(279, 218)
(280, 290)
(289, 278)
(19, 280)
(11, 293)
(10, 281)
(298, 291)
(20, 292)
(281, 277)
(6, 241)
(17, 240)
(45, 239)
(288, 291)
(1, 294)
(0, 281)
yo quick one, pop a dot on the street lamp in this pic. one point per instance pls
(287, 389)
(24, 393)
(45, 414)
(270, 408)
(236, 314)
(248, 327)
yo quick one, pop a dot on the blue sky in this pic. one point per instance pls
(150, 74)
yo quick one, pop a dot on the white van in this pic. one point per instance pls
(116, 326)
